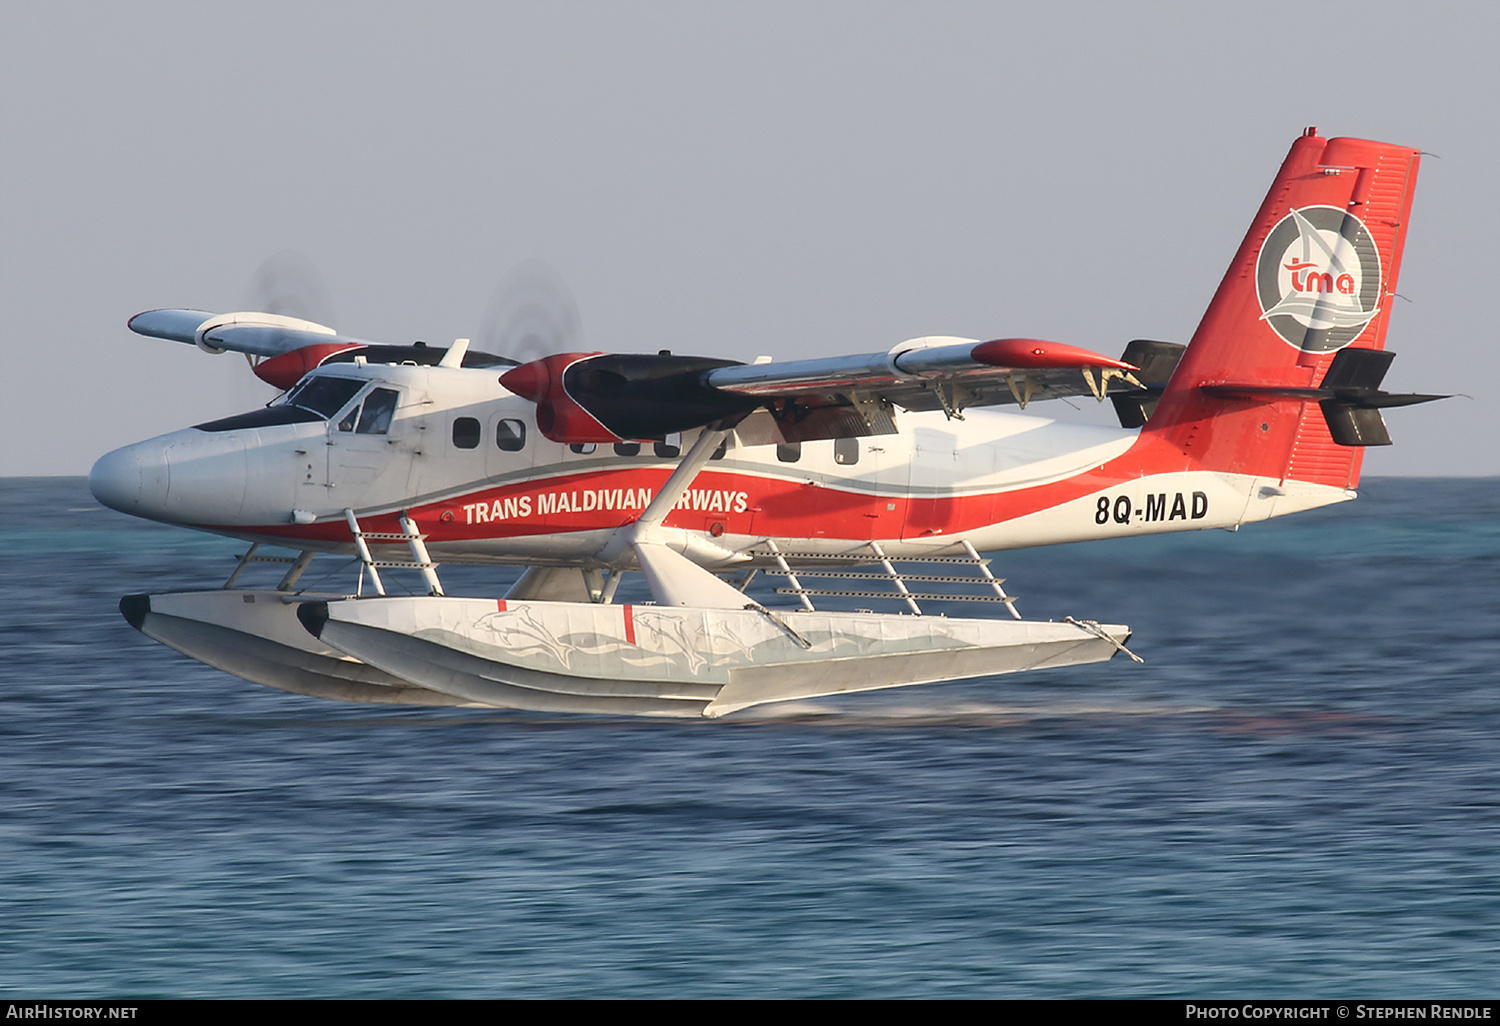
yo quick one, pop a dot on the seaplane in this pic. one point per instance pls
(883, 477)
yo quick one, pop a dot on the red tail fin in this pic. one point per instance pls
(1315, 275)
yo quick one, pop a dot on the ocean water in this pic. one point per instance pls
(1298, 795)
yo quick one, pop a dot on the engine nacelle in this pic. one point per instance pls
(286, 370)
(602, 397)
(558, 415)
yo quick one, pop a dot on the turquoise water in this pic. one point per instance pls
(1297, 796)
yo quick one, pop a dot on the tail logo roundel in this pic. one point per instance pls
(1318, 279)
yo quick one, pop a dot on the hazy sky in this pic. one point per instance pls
(798, 179)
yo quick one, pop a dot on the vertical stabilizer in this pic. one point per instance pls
(1314, 277)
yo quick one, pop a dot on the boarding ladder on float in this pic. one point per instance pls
(298, 563)
(415, 543)
(368, 564)
(989, 587)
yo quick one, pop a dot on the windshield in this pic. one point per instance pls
(323, 395)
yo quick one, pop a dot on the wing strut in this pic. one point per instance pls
(647, 528)
(696, 459)
(674, 578)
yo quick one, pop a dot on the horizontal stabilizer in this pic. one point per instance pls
(1349, 395)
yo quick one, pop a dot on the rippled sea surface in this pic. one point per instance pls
(1298, 795)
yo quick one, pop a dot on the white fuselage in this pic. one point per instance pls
(466, 459)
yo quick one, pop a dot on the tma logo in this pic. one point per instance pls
(1318, 279)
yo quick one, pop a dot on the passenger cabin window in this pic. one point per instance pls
(721, 450)
(670, 447)
(510, 435)
(627, 448)
(466, 432)
(846, 451)
(789, 452)
(583, 448)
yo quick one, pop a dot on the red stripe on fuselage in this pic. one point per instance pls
(745, 504)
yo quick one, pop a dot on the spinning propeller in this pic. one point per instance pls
(531, 315)
(288, 283)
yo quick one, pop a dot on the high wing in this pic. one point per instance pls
(813, 398)
(254, 333)
(598, 397)
(282, 349)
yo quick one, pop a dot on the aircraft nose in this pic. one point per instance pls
(132, 480)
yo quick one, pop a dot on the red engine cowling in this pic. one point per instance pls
(558, 414)
(286, 370)
(615, 397)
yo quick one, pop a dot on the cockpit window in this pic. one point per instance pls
(373, 416)
(380, 407)
(324, 395)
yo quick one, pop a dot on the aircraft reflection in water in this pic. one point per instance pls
(880, 475)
